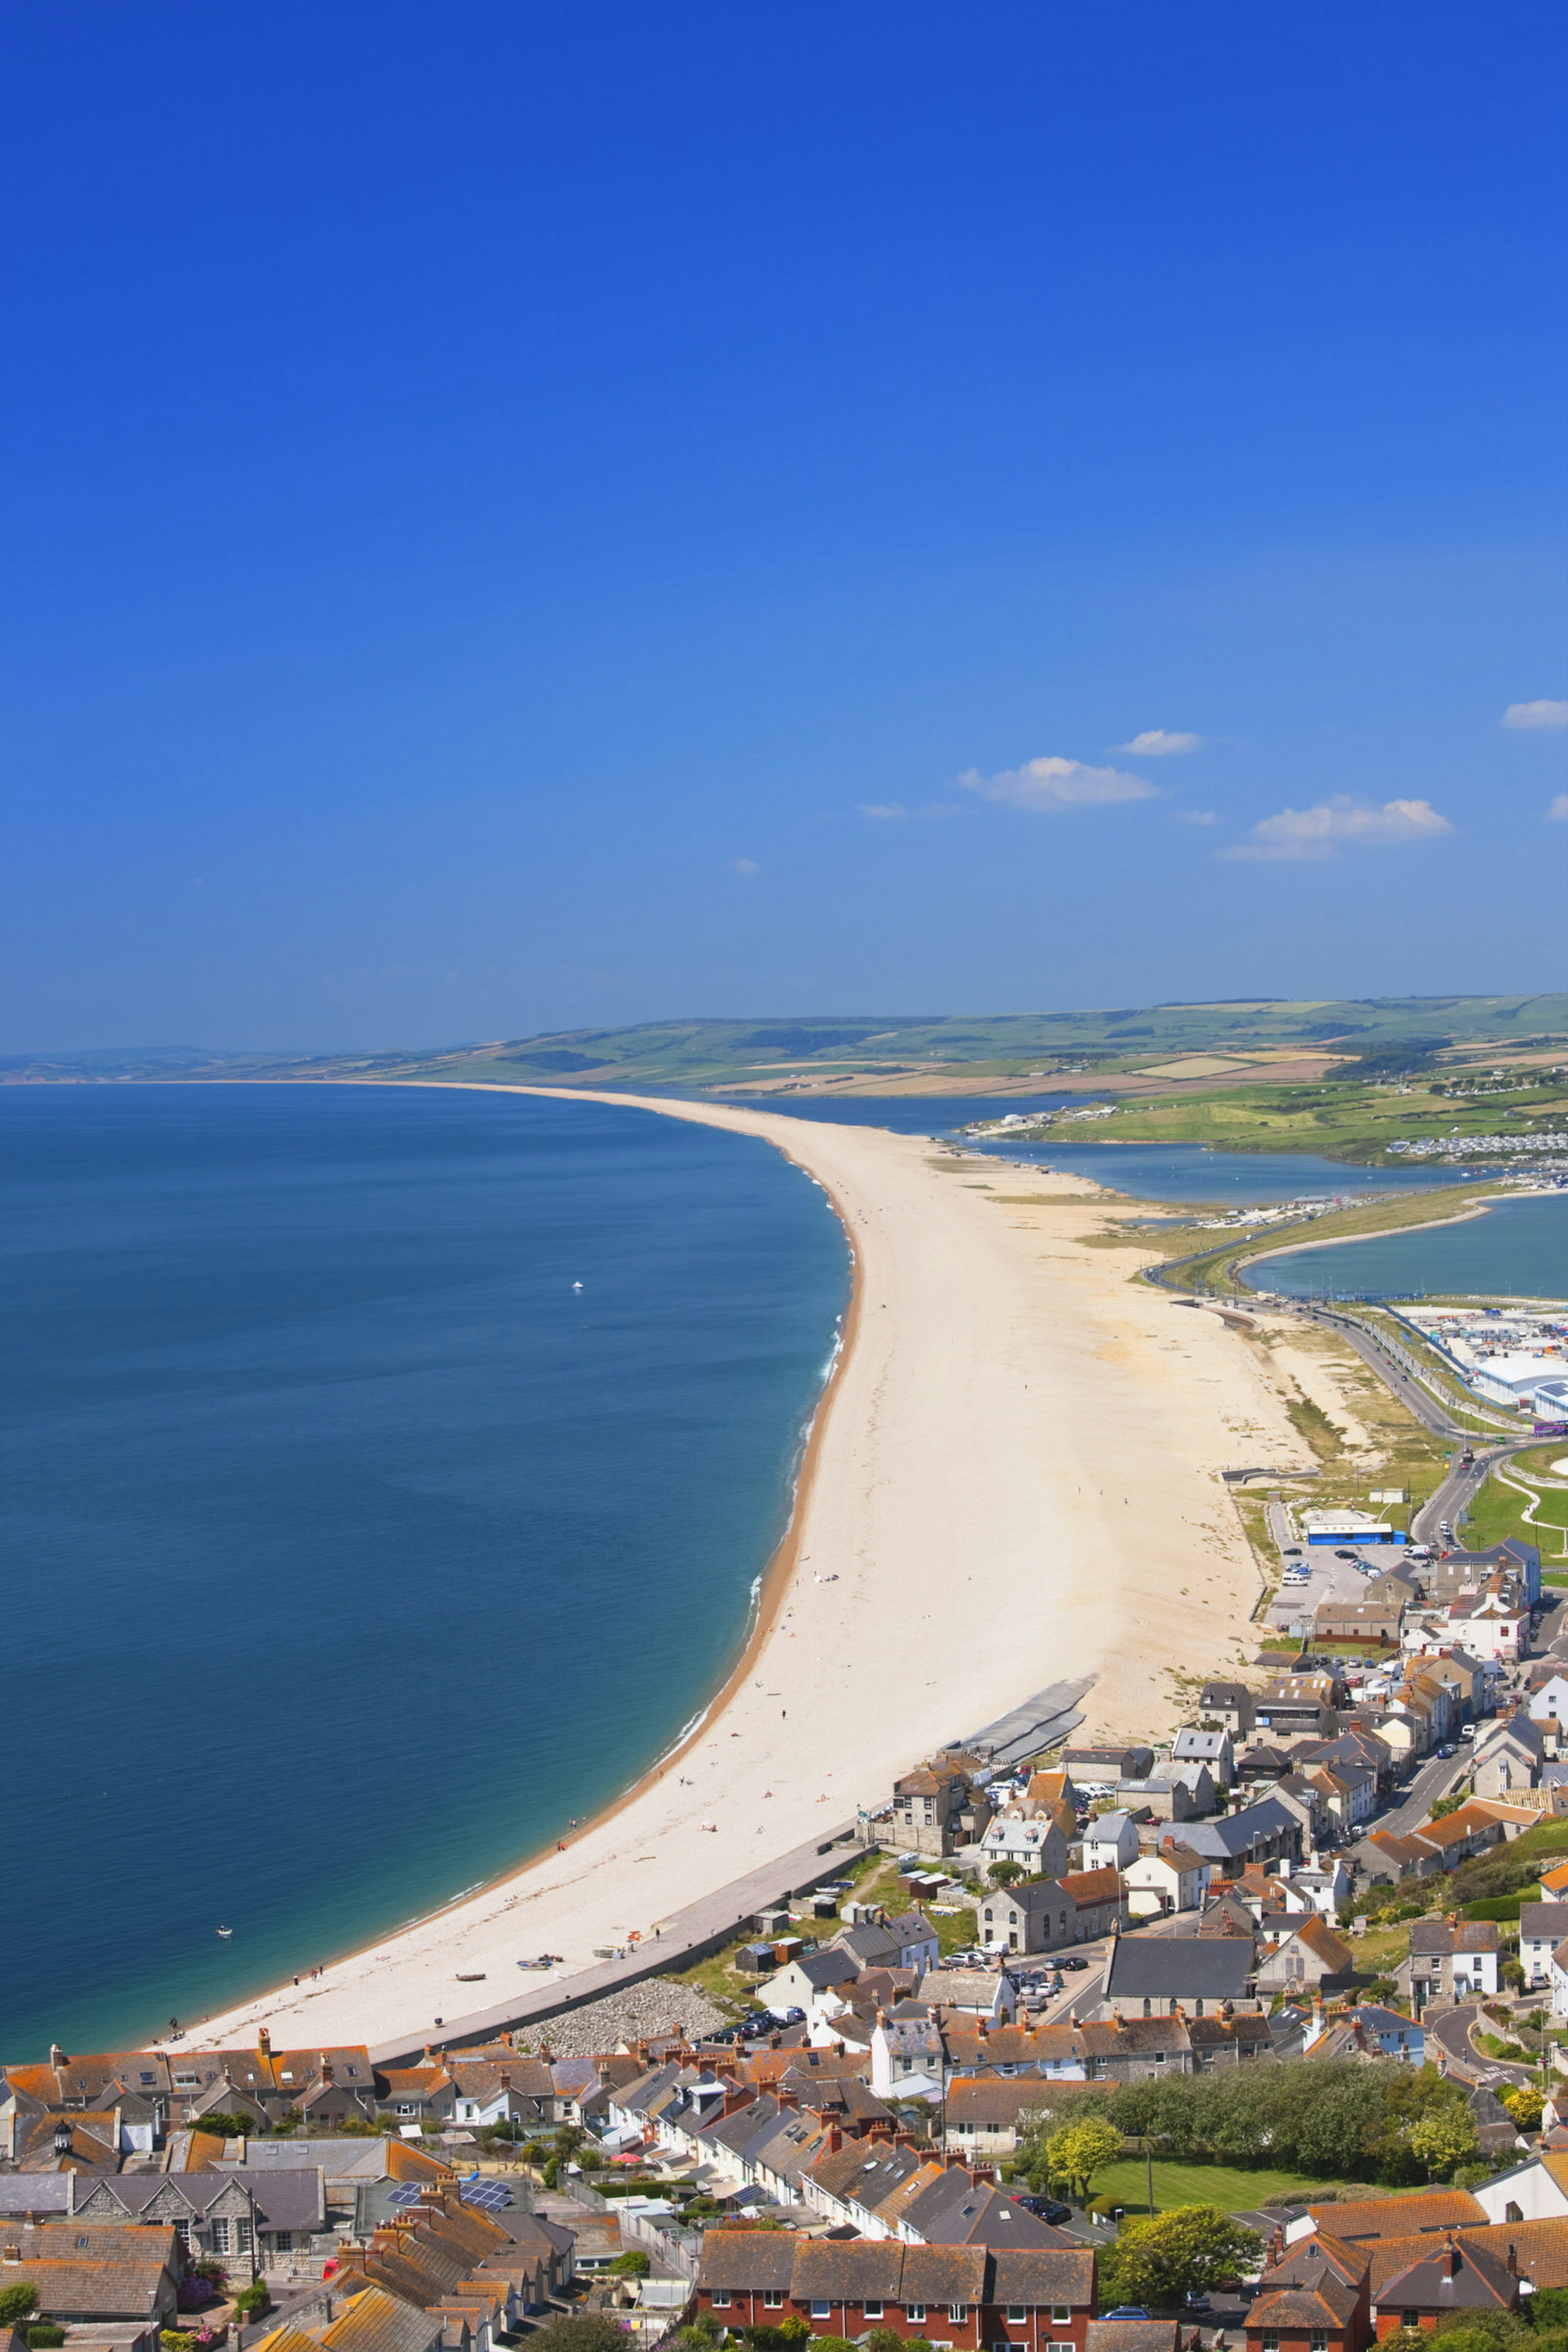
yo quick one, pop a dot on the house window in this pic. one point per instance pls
(220, 2237)
(822, 2311)
(872, 2310)
(1271, 2339)
(1158, 2057)
(1410, 2319)
(772, 2299)
(958, 2313)
(722, 2302)
(1197, 2008)
(1060, 2313)
(284, 2241)
(242, 2237)
(1017, 2313)
(914, 2311)
(1148, 2006)
(1319, 2340)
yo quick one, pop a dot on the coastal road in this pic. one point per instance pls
(1460, 1487)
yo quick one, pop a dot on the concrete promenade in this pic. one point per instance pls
(687, 1935)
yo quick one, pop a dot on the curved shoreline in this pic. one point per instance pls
(773, 1583)
(1465, 1216)
(986, 1363)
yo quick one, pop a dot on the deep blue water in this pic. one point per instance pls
(1145, 1171)
(1518, 1249)
(350, 1550)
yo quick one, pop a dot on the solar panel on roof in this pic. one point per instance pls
(407, 2196)
(489, 2194)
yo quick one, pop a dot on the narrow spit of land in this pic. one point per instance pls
(1014, 1478)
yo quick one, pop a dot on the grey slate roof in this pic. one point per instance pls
(1188, 1967)
(1233, 1833)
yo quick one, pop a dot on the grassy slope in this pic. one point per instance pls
(697, 1053)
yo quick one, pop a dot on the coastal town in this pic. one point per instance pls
(1026, 2060)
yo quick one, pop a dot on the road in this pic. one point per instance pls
(1451, 2031)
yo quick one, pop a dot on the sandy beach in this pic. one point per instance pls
(1014, 1478)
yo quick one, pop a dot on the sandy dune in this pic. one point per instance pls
(1015, 1479)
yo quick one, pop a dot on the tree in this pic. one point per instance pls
(17, 2302)
(1443, 2138)
(593, 2331)
(1162, 2258)
(1006, 1874)
(43, 2333)
(1524, 2106)
(1080, 2150)
(633, 2264)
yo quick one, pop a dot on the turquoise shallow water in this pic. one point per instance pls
(352, 1550)
(1518, 1249)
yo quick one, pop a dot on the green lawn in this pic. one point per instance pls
(1498, 1512)
(1233, 2191)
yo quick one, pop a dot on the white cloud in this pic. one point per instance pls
(1329, 826)
(1053, 784)
(889, 811)
(747, 866)
(1558, 812)
(1536, 716)
(1194, 816)
(1157, 743)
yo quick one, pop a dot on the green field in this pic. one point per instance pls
(1342, 1120)
(1232, 2190)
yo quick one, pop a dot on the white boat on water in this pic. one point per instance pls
(225, 1931)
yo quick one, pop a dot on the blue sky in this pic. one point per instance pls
(498, 493)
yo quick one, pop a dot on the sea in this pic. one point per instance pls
(388, 1475)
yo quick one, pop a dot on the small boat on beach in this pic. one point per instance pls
(471, 1975)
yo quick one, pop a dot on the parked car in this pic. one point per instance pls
(1447, 1750)
(1075, 1964)
(1126, 2311)
(1045, 2209)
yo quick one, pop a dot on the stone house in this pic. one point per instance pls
(1213, 1749)
(1111, 1841)
(1229, 1705)
(1153, 1977)
(936, 1810)
(1036, 1916)
(1310, 1957)
(1035, 1842)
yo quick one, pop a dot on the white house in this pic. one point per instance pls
(1324, 1880)
(1541, 1928)
(1548, 1712)
(1490, 1625)
(1036, 1844)
(1167, 1878)
(1528, 2192)
(1111, 1843)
